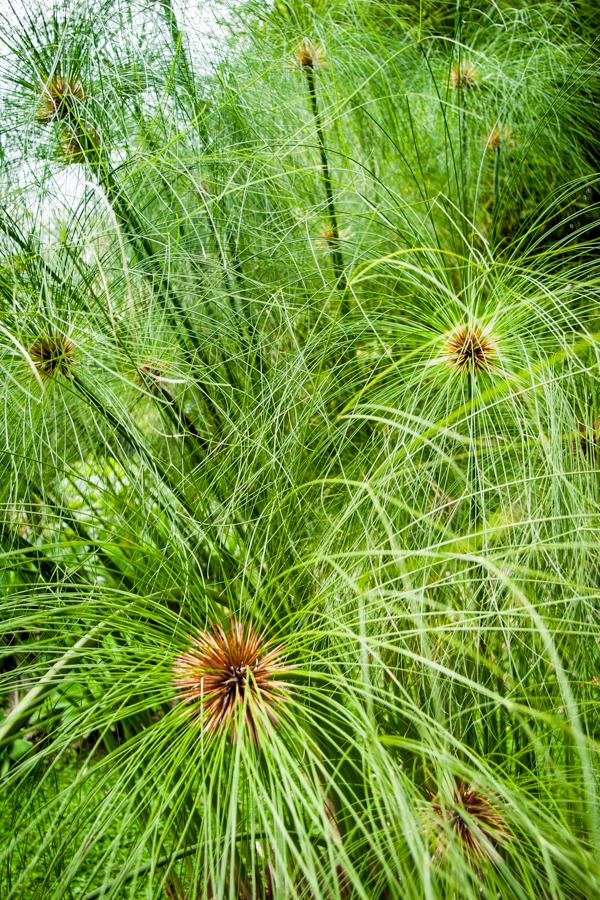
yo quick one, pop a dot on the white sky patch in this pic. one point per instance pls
(203, 24)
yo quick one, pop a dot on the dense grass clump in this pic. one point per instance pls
(300, 447)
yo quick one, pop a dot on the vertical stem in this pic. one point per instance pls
(188, 74)
(491, 729)
(463, 149)
(19, 716)
(176, 412)
(496, 194)
(336, 253)
(132, 228)
(177, 40)
(471, 733)
(462, 91)
(474, 517)
(463, 161)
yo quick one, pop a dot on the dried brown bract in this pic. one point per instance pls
(59, 99)
(474, 819)
(470, 348)
(53, 355)
(232, 678)
(310, 54)
(464, 76)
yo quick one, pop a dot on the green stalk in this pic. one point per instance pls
(88, 142)
(336, 253)
(473, 482)
(188, 75)
(20, 715)
(177, 41)
(496, 195)
(132, 227)
(492, 730)
(462, 118)
(161, 470)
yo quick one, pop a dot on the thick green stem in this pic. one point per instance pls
(496, 195)
(336, 253)
(179, 417)
(463, 163)
(20, 715)
(133, 229)
(178, 45)
(188, 76)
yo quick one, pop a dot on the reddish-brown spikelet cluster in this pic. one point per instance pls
(470, 348)
(232, 679)
(464, 76)
(53, 355)
(59, 98)
(499, 136)
(476, 821)
(80, 144)
(309, 54)
(328, 236)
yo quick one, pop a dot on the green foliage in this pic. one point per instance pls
(314, 346)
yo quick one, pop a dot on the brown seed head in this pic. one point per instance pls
(80, 144)
(499, 136)
(72, 149)
(470, 348)
(328, 237)
(464, 76)
(59, 99)
(475, 820)
(310, 55)
(232, 676)
(53, 355)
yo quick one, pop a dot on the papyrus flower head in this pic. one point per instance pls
(52, 354)
(499, 136)
(464, 76)
(328, 236)
(474, 819)
(470, 348)
(232, 679)
(310, 54)
(59, 100)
